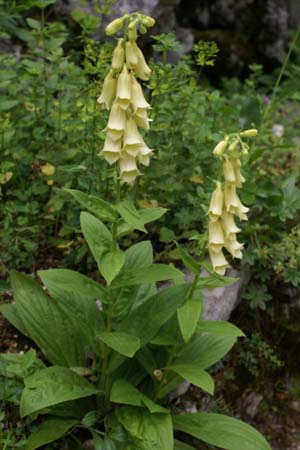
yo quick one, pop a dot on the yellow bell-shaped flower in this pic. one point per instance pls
(118, 56)
(216, 238)
(132, 138)
(216, 203)
(124, 88)
(128, 168)
(239, 179)
(112, 149)
(231, 199)
(108, 91)
(131, 55)
(234, 248)
(219, 262)
(138, 100)
(142, 70)
(241, 211)
(116, 122)
(144, 154)
(220, 148)
(228, 170)
(229, 226)
(141, 119)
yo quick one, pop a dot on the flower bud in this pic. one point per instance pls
(116, 121)
(215, 236)
(149, 21)
(239, 179)
(131, 54)
(114, 26)
(216, 203)
(245, 149)
(118, 56)
(124, 88)
(132, 33)
(111, 150)
(233, 146)
(228, 171)
(108, 91)
(219, 262)
(220, 148)
(229, 226)
(142, 70)
(128, 168)
(231, 199)
(249, 133)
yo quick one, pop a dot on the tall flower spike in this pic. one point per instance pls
(123, 95)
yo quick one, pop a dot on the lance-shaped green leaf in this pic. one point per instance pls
(48, 431)
(125, 393)
(123, 343)
(223, 431)
(189, 262)
(146, 215)
(111, 263)
(189, 315)
(196, 376)
(154, 431)
(96, 234)
(102, 209)
(52, 386)
(218, 327)
(178, 445)
(10, 313)
(144, 275)
(47, 324)
(130, 215)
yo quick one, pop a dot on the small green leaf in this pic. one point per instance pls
(223, 431)
(102, 209)
(178, 445)
(111, 263)
(121, 342)
(189, 262)
(35, 24)
(218, 327)
(126, 393)
(214, 282)
(130, 215)
(6, 105)
(50, 430)
(196, 376)
(188, 316)
(150, 214)
(52, 386)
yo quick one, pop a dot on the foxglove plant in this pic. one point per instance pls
(115, 350)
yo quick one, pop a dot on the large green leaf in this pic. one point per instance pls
(47, 323)
(196, 376)
(102, 209)
(147, 431)
(52, 386)
(77, 296)
(218, 327)
(204, 351)
(97, 235)
(148, 274)
(130, 215)
(189, 315)
(189, 262)
(126, 393)
(222, 431)
(50, 430)
(10, 313)
(111, 263)
(138, 255)
(121, 342)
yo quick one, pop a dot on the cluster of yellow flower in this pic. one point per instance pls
(225, 202)
(123, 96)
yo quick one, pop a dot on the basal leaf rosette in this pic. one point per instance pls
(225, 203)
(123, 96)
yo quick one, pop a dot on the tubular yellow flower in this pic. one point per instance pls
(132, 138)
(141, 119)
(137, 98)
(124, 88)
(149, 21)
(216, 203)
(142, 70)
(111, 150)
(219, 262)
(131, 54)
(228, 170)
(231, 199)
(220, 148)
(239, 179)
(132, 33)
(116, 121)
(229, 226)
(118, 56)
(241, 211)
(215, 236)
(234, 248)
(108, 91)
(128, 168)
(144, 154)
